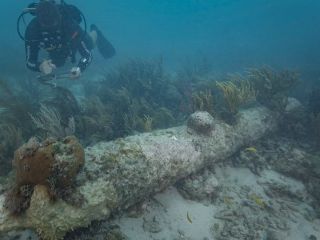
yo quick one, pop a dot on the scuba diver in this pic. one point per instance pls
(56, 29)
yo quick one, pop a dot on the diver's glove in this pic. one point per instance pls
(46, 67)
(75, 73)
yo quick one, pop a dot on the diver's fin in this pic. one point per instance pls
(104, 46)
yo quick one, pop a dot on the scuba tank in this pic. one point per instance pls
(67, 10)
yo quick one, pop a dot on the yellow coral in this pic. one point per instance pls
(237, 92)
(202, 101)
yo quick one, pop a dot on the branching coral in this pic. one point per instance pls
(134, 89)
(147, 123)
(140, 78)
(272, 85)
(271, 80)
(236, 93)
(96, 121)
(10, 139)
(15, 123)
(49, 120)
(163, 118)
(202, 101)
(314, 114)
(314, 101)
(14, 109)
(315, 126)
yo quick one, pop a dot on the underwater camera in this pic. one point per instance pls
(68, 10)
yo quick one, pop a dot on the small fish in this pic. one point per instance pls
(189, 218)
(258, 200)
(174, 138)
(251, 149)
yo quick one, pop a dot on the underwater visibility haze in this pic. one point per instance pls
(166, 119)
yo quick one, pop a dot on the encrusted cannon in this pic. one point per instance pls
(120, 173)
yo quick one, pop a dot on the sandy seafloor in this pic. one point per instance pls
(250, 196)
(166, 215)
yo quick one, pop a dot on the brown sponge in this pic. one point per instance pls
(52, 163)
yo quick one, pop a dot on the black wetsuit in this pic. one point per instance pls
(61, 44)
